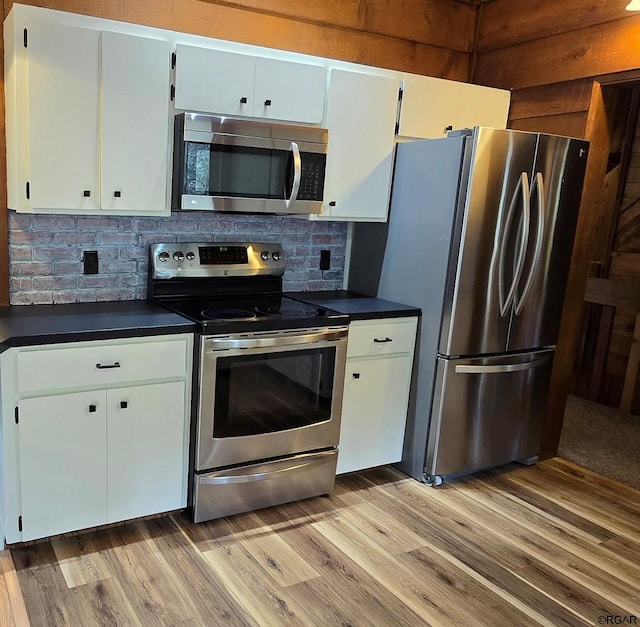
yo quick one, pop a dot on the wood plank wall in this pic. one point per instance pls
(555, 56)
(430, 37)
(433, 37)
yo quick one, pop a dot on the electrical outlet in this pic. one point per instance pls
(325, 259)
(90, 261)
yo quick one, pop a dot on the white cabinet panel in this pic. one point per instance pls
(100, 364)
(145, 441)
(361, 117)
(93, 109)
(217, 82)
(214, 81)
(135, 123)
(431, 107)
(374, 412)
(295, 91)
(376, 392)
(62, 109)
(62, 463)
(482, 106)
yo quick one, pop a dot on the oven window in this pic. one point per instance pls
(237, 171)
(273, 392)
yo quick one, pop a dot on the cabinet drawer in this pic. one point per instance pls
(381, 337)
(105, 364)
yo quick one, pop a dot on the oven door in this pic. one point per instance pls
(266, 395)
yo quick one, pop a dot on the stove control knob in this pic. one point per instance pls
(163, 256)
(265, 254)
(190, 256)
(178, 255)
(275, 255)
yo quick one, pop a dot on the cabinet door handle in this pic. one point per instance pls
(86, 193)
(115, 364)
(356, 375)
(92, 409)
(243, 100)
(332, 203)
(386, 339)
(448, 128)
(123, 404)
(267, 103)
(117, 194)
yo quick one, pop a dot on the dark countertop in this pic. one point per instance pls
(28, 325)
(357, 306)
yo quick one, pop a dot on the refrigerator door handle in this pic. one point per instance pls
(530, 365)
(538, 184)
(523, 187)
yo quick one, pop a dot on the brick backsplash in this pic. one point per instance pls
(45, 251)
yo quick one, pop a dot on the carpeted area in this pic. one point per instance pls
(602, 439)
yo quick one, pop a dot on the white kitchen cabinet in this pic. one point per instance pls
(361, 117)
(87, 120)
(145, 435)
(220, 82)
(376, 392)
(63, 463)
(93, 433)
(431, 107)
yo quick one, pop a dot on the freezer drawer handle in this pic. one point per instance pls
(386, 339)
(505, 368)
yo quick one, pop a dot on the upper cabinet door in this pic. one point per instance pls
(482, 106)
(289, 91)
(212, 81)
(429, 107)
(135, 122)
(63, 117)
(361, 118)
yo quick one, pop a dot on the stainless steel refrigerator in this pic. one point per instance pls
(479, 236)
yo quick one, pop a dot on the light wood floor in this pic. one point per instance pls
(549, 544)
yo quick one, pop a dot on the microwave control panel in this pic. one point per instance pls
(312, 179)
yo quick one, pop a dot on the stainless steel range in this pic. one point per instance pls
(268, 384)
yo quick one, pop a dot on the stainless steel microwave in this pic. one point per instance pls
(241, 165)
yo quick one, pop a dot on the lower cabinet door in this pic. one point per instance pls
(145, 440)
(62, 452)
(374, 412)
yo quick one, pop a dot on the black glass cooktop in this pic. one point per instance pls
(253, 313)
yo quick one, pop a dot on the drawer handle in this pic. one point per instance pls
(123, 404)
(92, 409)
(386, 339)
(115, 364)
(356, 375)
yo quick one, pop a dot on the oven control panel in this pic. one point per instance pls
(215, 259)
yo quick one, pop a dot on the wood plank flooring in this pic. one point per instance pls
(552, 544)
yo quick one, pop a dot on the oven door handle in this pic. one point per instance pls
(226, 343)
(270, 470)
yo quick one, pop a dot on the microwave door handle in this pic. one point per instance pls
(297, 174)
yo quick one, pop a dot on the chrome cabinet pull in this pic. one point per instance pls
(115, 364)
(386, 339)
